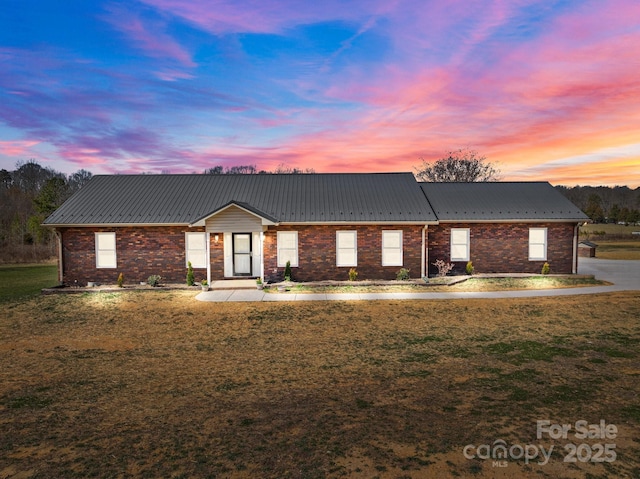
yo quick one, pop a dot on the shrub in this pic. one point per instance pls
(120, 280)
(443, 268)
(353, 274)
(191, 280)
(546, 268)
(154, 280)
(403, 274)
(470, 269)
(287, 271)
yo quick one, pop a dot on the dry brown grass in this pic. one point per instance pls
(156, 384)
(621, 250)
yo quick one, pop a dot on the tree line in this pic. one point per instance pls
(603, 204)
(28, 195)
(32, 192)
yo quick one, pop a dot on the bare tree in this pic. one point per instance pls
(283, 168)
(232, 170)
(462, 165)
(78, 179)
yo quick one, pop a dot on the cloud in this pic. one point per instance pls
(149, 35)
(17, 147)
(223, 17)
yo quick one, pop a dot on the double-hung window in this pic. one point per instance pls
(287, 248)
(537, 244)
(196, 249)
(346, 248)
(459, 244)
(106, 250)
(392, 248)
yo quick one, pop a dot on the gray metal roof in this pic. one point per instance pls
(500, 201)
(185, 199)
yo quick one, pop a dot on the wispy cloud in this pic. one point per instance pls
(17, 147)
(148, 34)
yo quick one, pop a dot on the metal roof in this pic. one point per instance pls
(500, 201)
(286, 198)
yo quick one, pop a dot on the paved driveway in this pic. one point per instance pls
(625, 276)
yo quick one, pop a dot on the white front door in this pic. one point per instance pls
(242, 254)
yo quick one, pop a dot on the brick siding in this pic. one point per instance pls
(140, 252)
(504, 247)
(143, 251)
(317, 252)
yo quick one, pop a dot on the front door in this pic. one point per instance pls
(242, 254)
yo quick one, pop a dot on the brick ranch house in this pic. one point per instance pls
(239, 226)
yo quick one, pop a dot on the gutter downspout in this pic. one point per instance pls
(424, 256)
(574, 268)
(60, 264)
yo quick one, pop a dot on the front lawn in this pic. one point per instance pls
(156, 384)
(22, 281)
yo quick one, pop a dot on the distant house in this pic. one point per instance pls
(238, 226)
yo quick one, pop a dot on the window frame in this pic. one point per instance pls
(188, 249)
(467, 244)
(281, 263)
(101, 263)
(544, 244)
(344, 233)
(396, 249)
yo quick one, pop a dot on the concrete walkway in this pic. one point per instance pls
(625, 276)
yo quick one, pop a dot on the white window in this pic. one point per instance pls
(106, 250)
(537, 244)
(196, 249)
(459, 244)
(287, 248)
(346, 248)
(392, 248)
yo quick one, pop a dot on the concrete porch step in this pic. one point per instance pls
(234, 284)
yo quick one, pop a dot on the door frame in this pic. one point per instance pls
(233, 254)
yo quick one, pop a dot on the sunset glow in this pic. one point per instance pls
(546, 90)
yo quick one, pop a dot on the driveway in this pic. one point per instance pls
(625, 276)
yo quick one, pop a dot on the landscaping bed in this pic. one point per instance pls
(480, 282)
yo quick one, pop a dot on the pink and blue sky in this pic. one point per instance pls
(546, 89)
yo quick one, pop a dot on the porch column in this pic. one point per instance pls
(208, 255)
(262, 256)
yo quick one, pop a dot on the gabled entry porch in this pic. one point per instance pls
(240, 228)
